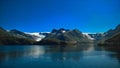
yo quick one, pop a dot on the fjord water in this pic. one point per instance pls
(41, 56)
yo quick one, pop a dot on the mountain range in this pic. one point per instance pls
(57, 36)
(64, 36)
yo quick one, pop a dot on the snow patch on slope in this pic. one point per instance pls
(63, 31)
(88, 36)
(37, 36)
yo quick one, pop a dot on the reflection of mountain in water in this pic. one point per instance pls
(69, 53)
(51, 52)
(20, 51)
(115, 49)
(54, 53)
(78, 56)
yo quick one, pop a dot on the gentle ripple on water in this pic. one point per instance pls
(77, 56)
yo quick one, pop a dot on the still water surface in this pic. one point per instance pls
(40, 56)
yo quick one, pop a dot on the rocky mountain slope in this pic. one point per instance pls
(65, 36)
(8, 38)
(97, 36)
(115, 39)
(112, 37)
(57, 36)
(110, 33)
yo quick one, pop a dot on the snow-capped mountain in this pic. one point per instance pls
(88, 36)
(64, 37)
(37, 35)
(94, 36)
(97, 36)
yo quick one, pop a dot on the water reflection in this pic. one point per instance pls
(35, 51)
(8, 52)
(54, 52)
(113, 48)
(74, 52)
(77, 55)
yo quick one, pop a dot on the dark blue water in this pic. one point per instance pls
(77, 56)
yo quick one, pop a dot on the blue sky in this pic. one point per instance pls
(45, 15)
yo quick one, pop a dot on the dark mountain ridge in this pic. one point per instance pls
(110, 33)
(112, 37)
(58, 37)
(21, 34)
(7, 38)
(64, 36)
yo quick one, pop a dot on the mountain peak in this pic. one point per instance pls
(54, 30)
(16, 31)
(61, 30)
(64, 36)
(118, 26)
(76, 30)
